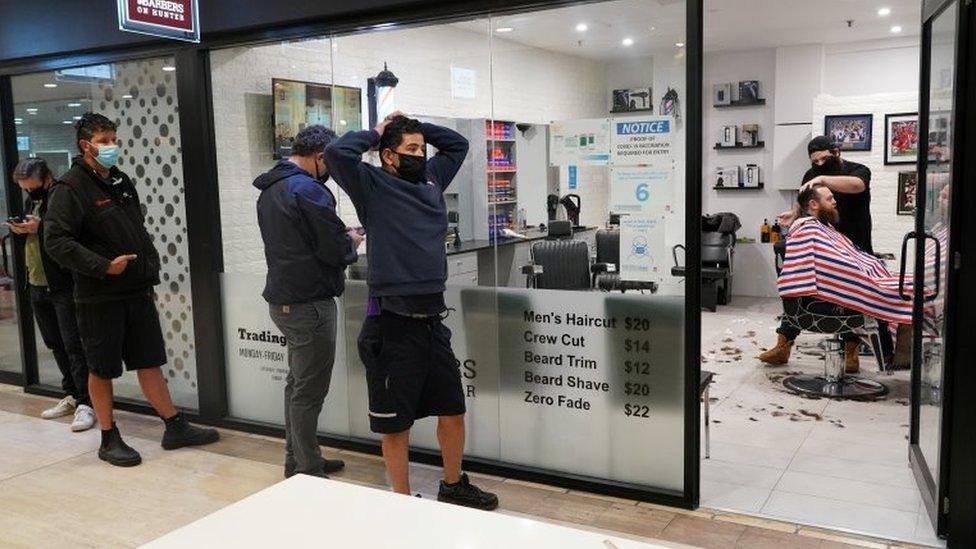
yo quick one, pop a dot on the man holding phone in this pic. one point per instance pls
(95, 228)
(307, 248)
(51, 296)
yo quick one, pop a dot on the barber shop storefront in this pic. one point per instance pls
(610, 268)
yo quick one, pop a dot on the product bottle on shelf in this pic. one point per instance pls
(774, 233)
(764, 231)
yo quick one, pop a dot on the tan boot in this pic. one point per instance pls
(780, 354)
(903, 346)
(852, 362)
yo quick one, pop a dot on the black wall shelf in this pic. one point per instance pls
(761, 186)
(761, 101)
(740, 146)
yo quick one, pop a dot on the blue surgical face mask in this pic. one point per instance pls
(108, 155)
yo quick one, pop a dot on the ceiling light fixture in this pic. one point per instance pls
(18, 122)
(67, 122)
(884, 12)
(504, 29)
(127, 96)
(582, 27)
(169, 68)
(679, 44)
(74, 105)
(627, 41)
(76, 117)
(50, 85)
(896, 29)
(31, 110)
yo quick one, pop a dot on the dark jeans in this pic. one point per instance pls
(887, 345)
(56, 320)
(310, 333)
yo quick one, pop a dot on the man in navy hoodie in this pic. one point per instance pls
(411, 370)
(307, 248)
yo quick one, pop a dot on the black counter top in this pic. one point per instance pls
(530, 236)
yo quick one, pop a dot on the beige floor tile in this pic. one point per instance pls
(702, 532)
(765, 524)
(762, 538)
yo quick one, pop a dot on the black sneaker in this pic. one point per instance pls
(115, 451)
(466, 494)
(179, 434)
(333, 466)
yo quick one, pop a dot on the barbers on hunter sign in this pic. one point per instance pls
(177, 19)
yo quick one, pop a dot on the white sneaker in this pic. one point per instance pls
(84, 418)
(61, 409)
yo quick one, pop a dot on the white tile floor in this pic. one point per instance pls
(836, 464)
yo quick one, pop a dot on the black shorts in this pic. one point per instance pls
(122, 330)
(411, 371)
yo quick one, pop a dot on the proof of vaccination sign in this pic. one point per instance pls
(176, 19)
(641, 141)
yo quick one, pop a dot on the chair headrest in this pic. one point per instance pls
(560, 229)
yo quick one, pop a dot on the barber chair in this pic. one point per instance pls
(718, 252)
(812, 315)
(559, 262)
(606, 275)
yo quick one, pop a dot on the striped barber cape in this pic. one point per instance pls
(823, 263)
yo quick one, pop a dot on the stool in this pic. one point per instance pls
(706, 380)
(826, 318)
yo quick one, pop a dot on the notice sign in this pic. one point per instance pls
(640, 190)
(579, 142)
(177, 19)
(642, 247)
(644, 140)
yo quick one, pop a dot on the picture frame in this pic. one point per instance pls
(907, 192)
(901, 138)
(633, 100)
(722, 94)
(851, 132)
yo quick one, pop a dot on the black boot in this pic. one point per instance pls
(179, 433)
(115, 451)
(466, 494)
(328, 466)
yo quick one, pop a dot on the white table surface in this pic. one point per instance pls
(305, 511)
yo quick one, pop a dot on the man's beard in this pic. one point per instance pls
(828, 217)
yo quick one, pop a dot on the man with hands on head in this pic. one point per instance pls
(411, 370)
(95, 229)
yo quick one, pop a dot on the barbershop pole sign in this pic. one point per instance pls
(176, 19)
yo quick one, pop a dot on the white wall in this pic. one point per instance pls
(888, 228)
(877, 66)
(755, 270)
(513, 82)
(876, 77)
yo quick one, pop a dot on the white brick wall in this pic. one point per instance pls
(888, 228)
(513, 82)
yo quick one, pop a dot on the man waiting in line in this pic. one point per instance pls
(411, 370)
(307, 248)
(51, 297)
(850, 185)
(95, 228)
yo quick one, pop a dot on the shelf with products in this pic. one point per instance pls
(502, 173)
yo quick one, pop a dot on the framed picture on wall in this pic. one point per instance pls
(907, 187)
(851, 132)
(901, 138)
(632, 100)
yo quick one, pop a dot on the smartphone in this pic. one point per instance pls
(16, 219)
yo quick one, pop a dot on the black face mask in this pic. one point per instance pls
(412, 168)
(37, 194)
(830, 165)
(321, 177)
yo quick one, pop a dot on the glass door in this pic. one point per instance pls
(934, 285)
(11, 362)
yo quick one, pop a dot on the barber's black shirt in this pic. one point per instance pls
(855, 209)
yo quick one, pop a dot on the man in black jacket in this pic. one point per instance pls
(95, 228)
(50, 291)
(307, 248)
(411, 370)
